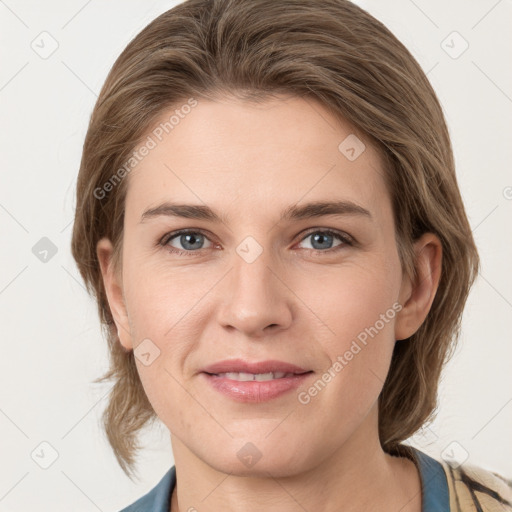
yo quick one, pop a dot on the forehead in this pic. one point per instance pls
(248, 157)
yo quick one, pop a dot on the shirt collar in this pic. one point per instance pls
(435, 496)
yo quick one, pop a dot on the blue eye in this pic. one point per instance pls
(321, 238)
(190, 241)
(187, 242)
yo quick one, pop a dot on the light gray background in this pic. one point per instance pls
(52, 346)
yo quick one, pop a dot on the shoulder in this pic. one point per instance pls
(460, 488)
(158, 498)
(474, 488)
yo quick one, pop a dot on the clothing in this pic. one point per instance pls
(464, 489)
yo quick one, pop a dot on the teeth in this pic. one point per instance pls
(244, 377)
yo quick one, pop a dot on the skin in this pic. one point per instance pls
(296, 302)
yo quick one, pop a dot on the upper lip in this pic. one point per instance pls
(241, 366)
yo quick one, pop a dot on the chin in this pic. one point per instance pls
(264, 458)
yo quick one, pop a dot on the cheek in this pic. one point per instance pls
(159, 298)
(358, 308)
(165, 307)
(355, 304)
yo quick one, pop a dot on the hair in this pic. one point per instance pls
(332, 51)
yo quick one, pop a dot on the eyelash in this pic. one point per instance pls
(343, 237)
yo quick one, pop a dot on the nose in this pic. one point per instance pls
(256, 299)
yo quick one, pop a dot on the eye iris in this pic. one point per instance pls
(192, 239)
(321, 237)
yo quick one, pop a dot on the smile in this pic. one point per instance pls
(245, 377)
(255, 387)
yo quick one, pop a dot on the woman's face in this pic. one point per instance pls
(256, 278)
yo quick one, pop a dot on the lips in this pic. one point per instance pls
(254, 382)
(261, 367)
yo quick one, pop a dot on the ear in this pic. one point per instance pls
(417, 296)
(112, 280)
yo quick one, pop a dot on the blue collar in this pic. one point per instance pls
(434, 487)
(159, 498)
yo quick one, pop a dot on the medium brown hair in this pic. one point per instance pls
(329, 50)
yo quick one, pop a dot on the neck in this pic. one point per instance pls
(359, 475)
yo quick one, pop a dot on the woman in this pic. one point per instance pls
(269, 217)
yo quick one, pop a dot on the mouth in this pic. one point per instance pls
(244, 381)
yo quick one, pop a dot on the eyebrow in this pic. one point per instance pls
(293, 212)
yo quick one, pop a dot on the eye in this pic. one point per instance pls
(188, 242)
(322, 240)
(185, 241)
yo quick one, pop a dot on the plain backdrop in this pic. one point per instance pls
(52, 347)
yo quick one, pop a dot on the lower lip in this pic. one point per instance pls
(255, 391)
